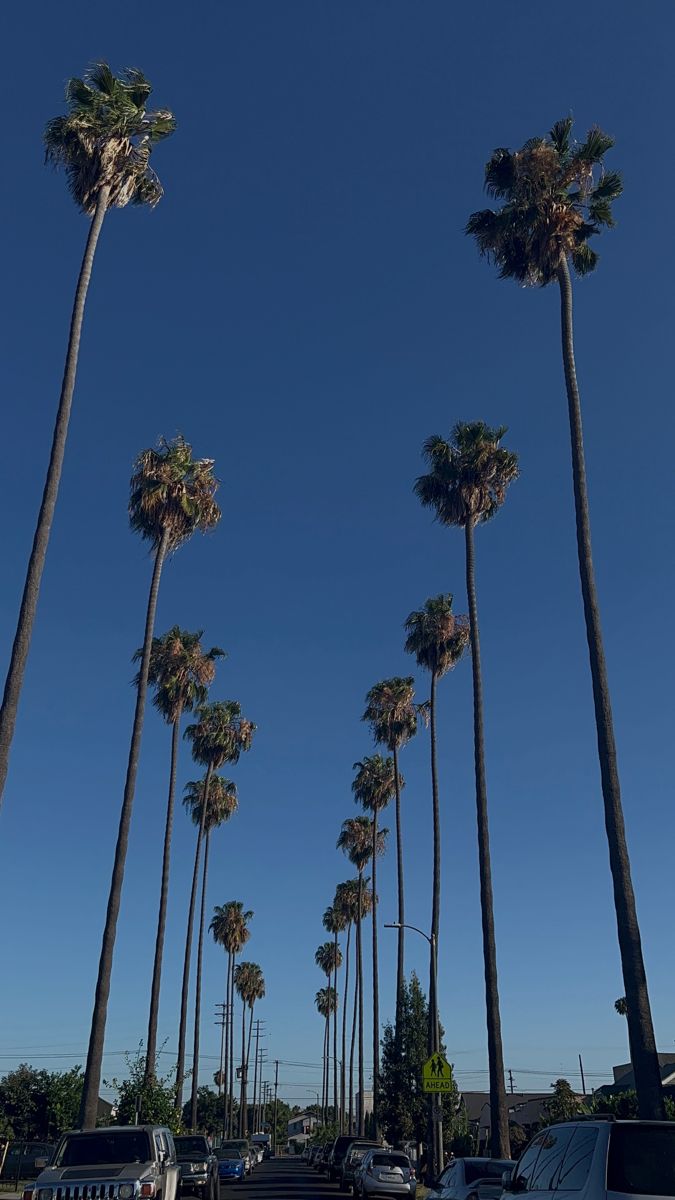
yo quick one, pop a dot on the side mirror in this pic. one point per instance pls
(508, 1181)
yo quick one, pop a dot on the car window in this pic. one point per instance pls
(190, 1145)
(527, 1163)
(544, 1177)
(484, 1169)
(577, 1161)
(642, 1159)
(447, 1175)
(88, 1149)
(390, 1160)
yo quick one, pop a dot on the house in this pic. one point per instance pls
(525, 1109)
(301, 1127)
(624, 1079)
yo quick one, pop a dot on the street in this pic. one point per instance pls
(280, 1179)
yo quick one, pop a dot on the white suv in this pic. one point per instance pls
(597, 1160)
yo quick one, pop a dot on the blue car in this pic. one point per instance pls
(230, 1164)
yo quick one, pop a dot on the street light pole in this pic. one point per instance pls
(434, 1044)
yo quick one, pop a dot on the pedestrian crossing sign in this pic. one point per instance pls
(436, 1075)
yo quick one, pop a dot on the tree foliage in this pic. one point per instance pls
(149, 1099)
(39, 1104)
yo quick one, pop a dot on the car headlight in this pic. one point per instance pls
(126, 1191)
(45, 1193)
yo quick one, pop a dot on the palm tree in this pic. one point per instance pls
(328, 958)
(392, 716)
(172, 496)
(326, 1003)
(346, 903)
(556, 196)
(221, 804)
(356, 840)
(438, 640)
(180, 672)
(104, 143)
(335, 922)
(250, 985)
(374, 788)
(229, 926)
(466, 485)
(219, 736)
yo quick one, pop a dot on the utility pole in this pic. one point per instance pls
(276, 1100)
(221, 1019)
(511, 1086)
(583, 1081)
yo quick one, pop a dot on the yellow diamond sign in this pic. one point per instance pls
(436, 1075)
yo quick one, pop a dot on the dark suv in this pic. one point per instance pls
(337, 1154)
(355, 1152)
(198, 1166)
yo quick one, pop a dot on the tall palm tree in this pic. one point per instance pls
(328, 958)
(326, 1003)
(557, 194)
(356, 841)
(346, 902)
(438, 640)
(392, 715)
(229, 926)
(104, 142)
(335, 922)
(219, 735)
(250, 985)
(180, 671)
(172, 496)
(221, 804)
(466, 485)
(374, 787)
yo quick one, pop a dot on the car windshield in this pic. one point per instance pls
(227, 1152)
(88, 1149)
(390, 1160)
(642, 1160)
(358, 1153)
(486, 1169)
(191, 1145)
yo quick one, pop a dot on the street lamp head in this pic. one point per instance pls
(392, 924)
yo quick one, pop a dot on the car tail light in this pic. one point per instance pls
(412, 1173)
(147, 1189)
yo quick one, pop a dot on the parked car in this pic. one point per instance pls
(322, 1159)
(121, 1162)
(230, 1163)
(198, 1167)
(385, 1173)
(244, 1148)
(471, 1179)
(339, 1150)
(591, 1159)
(313, 1154)
(356, 1151)
(24, 1160)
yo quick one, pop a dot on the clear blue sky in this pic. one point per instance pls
(303, 306)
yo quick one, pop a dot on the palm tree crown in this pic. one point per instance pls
(229, 925)
(391, 711)
(335, 919)
(356, 840)
(326, 1001)
(436, 636)
(180, 671)
(328, 958)
(249, 982)
(220, 733)
(374, 785)
(172, 494)
(557, 195)
(468, 475)
(222, 802)
(106, 138)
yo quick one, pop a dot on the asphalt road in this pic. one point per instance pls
(281, 1179)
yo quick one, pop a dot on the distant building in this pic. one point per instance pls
(301, 1127)
(525, 1109)
(624, 1079)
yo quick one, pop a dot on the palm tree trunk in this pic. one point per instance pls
(359, 947)
(437, 1129)
(256, 1120)
(335, 1020)
(324, 1087)
(400, 969)
(353, 1041)
(645, 1065)
(231, 1122)
(92, 1073)
(198, 991)
(243, 1069)
(151, 1052)
(343, 1062)
(38, 554)
(226, 1055)
(376, 990)
(185, 989)
(499, 1122)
